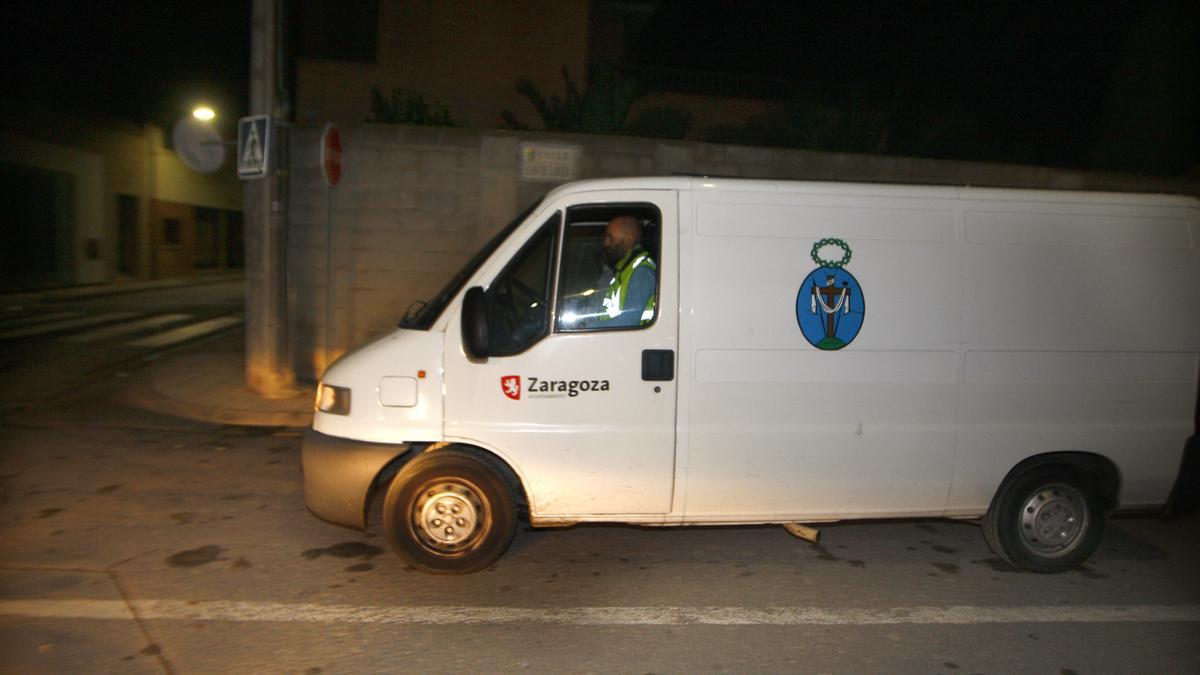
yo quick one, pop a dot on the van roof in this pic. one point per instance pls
(801, 187)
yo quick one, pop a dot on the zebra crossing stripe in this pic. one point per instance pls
(279, 612)
(120, 329)
(188, 332)
(66, 324)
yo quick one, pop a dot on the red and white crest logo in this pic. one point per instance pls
(511, 385)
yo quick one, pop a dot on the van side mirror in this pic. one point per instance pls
(474, 323)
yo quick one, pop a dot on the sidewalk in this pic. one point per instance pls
(206, 382)
(116, 288)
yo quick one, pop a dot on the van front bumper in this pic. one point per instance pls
(339, 474)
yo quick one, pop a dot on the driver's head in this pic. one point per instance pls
(621, 235)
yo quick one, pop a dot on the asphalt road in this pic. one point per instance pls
(138, 543)
(49, 344)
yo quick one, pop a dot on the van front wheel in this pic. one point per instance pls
(449, 512)
(1048, 519)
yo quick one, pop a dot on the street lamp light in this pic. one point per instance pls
(204, 113)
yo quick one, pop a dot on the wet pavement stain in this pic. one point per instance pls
(46, 513)
(823, 553)
(950, 664)
(948, 568)
(1091, 572)
(360, 567)
(242, 564)
(856, 563)
(927, 527)
(943, 549)
(107, 489)
(348, 549)
(151, 650)
(195, 557)
(996, 565)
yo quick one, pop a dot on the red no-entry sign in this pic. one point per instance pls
(331, 155)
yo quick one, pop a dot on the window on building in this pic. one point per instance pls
(334, 30)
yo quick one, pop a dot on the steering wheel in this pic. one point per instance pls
(527, 290)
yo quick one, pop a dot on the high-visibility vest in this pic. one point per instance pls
(618, 286)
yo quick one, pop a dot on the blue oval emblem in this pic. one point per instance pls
(830, 307)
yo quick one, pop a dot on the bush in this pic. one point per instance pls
(404, 107)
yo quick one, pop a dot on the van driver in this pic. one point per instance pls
(629, 298)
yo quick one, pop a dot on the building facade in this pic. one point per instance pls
(92, 200)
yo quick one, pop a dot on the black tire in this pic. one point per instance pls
(1046, 519)
(449, 512)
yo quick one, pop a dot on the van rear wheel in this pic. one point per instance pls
(1047, 519)
(449, 512)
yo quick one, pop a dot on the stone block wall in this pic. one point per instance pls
(415, 203)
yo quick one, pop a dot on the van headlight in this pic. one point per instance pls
(333, 400)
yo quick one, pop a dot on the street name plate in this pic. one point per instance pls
(550, 163)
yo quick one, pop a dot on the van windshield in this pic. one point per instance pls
(422, 314)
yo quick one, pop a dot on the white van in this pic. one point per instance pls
(812, 352)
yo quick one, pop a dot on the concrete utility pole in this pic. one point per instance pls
(268, 370)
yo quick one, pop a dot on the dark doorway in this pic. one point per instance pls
(235, 243)
(38, 225)
(127, 235)
(207, 245)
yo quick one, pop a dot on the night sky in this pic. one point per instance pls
(1071, 84)
(1065, 83)
(137, 60)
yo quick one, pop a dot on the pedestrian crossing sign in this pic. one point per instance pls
(254, 146)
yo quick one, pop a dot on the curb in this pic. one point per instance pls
(105, 290)
(146, 398)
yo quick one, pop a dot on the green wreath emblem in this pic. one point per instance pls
(831, 241)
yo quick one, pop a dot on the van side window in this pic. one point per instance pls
(518, 307)
(609, 272)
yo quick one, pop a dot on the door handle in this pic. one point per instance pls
(658, 365)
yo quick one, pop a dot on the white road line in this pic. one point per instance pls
(26, 319)
(126, 328)
(188, 332)
(236, 611)
(65, 324)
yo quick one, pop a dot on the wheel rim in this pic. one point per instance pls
(448, 516)
(1053, 520)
